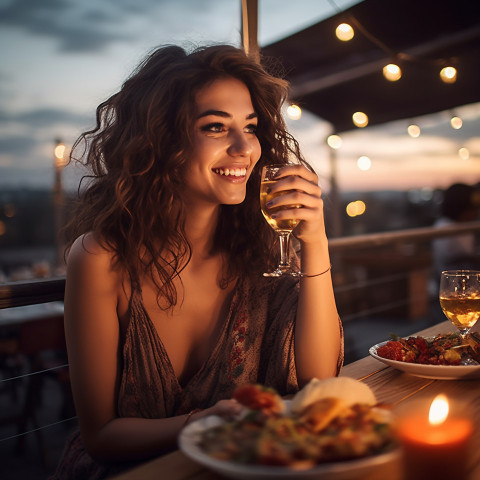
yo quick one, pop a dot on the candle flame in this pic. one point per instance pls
(438, 410)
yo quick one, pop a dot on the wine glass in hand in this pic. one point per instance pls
(283, 227)
(460, 298)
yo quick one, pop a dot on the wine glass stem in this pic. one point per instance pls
(284, 238)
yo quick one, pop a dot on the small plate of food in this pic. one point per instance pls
(332, 429)
(446, 356)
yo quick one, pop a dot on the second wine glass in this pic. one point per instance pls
(282, 227)
(460, 298)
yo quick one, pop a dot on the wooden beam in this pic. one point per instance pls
(250, 28)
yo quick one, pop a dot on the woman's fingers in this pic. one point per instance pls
(298, 170)
(225, 408)
(296, 179)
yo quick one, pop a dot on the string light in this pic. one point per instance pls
(364, 163)
(463, 153)
(344, 32)
(334, 141)
(392, 72)
(355, 208)
(414, 130)
(448, 74)
(456, 122)
(360, 119)
(294, 112)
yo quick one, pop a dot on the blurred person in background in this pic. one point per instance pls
(460, 203)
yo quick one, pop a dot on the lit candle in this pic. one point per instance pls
(435, 447)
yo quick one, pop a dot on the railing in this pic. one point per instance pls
(16, 294)
(400, 263)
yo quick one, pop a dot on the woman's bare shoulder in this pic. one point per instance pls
(87, 253)
(88, 245)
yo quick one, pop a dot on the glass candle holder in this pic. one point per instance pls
(435, 440)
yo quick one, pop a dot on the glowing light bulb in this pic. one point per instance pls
(414, 131)
(360, 119)
(392, 72)
(364, 163)
(294, 112)
(59, 153)
(334, 141)
(448, 74)
(463, 153)
(344, 32)
(355, 208)
(456, 123)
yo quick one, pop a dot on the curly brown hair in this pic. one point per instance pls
(132, 201)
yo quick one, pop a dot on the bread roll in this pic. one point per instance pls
(349, 390)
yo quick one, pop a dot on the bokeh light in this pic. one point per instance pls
(464, 153)
(448, 74)
(392, 72)
(456, 122)
(414, 130)
(334, 141)
(294, 112)
(344, 32)
(356, 208)
(364, 163)
(360, 119)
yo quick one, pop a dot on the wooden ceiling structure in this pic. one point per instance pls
(334, 79)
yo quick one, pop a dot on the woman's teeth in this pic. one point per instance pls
(235, 172)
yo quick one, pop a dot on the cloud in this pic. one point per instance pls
(91, 26)
(38, 128)
(44, 117)
(76, 29)
(16, 146)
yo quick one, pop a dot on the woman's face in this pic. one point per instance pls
(225, 145)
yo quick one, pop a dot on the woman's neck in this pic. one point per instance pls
(200, 227)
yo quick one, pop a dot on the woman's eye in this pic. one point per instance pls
(252, 128)
(213, 127)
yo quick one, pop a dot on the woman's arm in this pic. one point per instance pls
(93, 342)
(317, 330)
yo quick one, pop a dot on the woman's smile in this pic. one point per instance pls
(232, 172)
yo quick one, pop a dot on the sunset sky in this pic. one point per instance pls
(61, 58)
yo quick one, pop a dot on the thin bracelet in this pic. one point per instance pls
(189, 415)
(317, 274)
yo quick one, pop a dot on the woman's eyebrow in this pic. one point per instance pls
(221, 113)
(217, 113)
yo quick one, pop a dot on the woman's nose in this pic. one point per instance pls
(240, 144)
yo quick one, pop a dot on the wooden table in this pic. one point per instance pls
(389, 385)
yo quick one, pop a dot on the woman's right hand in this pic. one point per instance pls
(227, 409)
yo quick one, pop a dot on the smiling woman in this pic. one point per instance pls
(166, 307)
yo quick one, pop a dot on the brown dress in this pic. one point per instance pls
(256, 345)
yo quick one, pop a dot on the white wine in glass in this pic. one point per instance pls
(460, 298)
(283, 227)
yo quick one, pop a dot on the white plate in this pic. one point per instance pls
(347, 470)
(437, 372)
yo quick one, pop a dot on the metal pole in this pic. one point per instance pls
(335, 196)
(58, 200)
